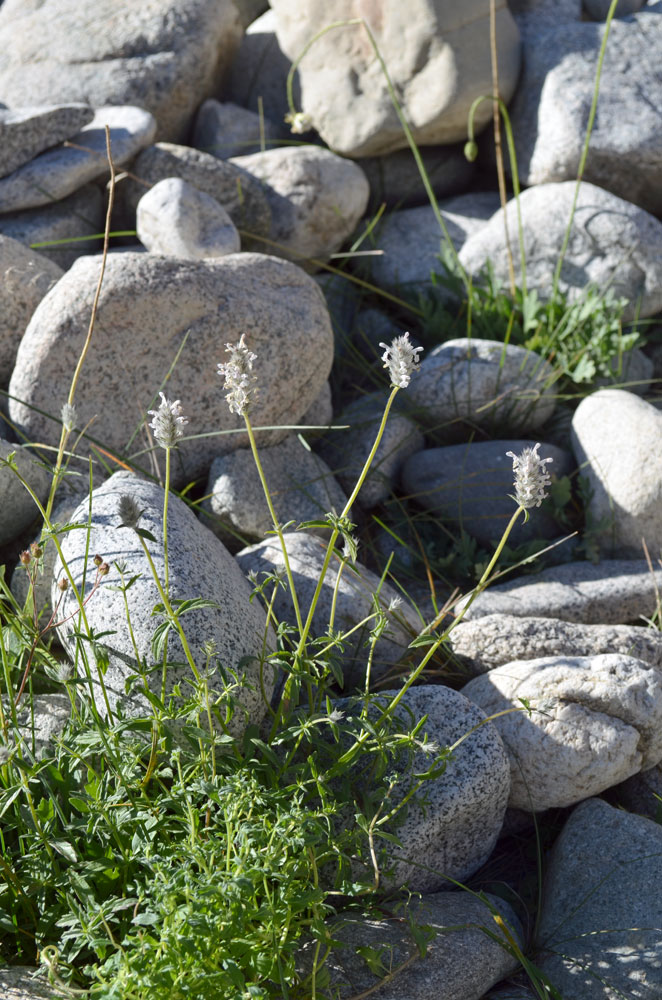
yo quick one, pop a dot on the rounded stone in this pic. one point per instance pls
(614, 245)
(301, 487)
(581, 724)
(152, 307)
(485, 383)
(177, 220)
(354, 603)
(316, 198)
(451, 826)
(199, 567)
(17, 508)
(614, 436)
(469, 485)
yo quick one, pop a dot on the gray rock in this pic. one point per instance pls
(593, 721)
(81, 214)
(60, 171)
(437, 59)
(16, 504)
(461, 961)
(485, 383)
(494, 640)
(41, 720)
(165, 56)
(642, 793)
(411, 239)
(614, 591)
(177, 220)
(200, 566)
(320, 412)
(259, 72)
(236, 190)
(23, 982)
(226, 130)
(532, 14)
(26, 277)
(614, 433)
(354, 602)
(599, 935)
(148, 305)
(451, 826)
(301, 486)
(346, 452)
(25, 132)
(469, 485)
(633, 371)
(551, 107)
(395, 179)
(614, 244)
(598, 9)
(371, 328)
(316, 199)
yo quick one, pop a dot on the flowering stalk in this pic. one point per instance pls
(239, 380)
(168, 425)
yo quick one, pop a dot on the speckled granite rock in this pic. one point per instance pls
(437, 58)
(301, 486)
(235, 189)
(225, 129)
(60, 171)
(166, 56)
(17, 509)
(23, 982)
(452, 829)
(354, 603)
(411, 239)
(346, 452)
(176, 219)
(316, 199)
(599, 935)
(485, 643)
(44, 717)
(148, 305)
(595, 720)
(614, 591)
(81, 214)
(614, 433)
(26, 132)
(25, 279)
(480, 381)
(614, 244)
(200, 566)
(461, 961)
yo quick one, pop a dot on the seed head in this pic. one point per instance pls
(401, 359)
(36, 550)
(69, 417)
(168, 423)
(531, 477)
(25, 557)
(62, 584)
(299, 122)
(129, 512)
(237, 375)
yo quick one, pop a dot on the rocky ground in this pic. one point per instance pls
(242, 225)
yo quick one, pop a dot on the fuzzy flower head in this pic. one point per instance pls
(69, 417)
(238, 377)
(168, 423)
(401, 359)
(130, 514)
(299, 122)
(531, 477)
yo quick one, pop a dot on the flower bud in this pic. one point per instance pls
(62, 584)
(36, 550)
(104, 569)
(97, 561)
(25, 557)
(471, 151)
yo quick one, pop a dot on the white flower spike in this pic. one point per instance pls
(531, 477)
(401, 359)
(238, 378)
(168, 423)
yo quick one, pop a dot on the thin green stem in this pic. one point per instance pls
(274, 518)
(166, 571)
(584, 155)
